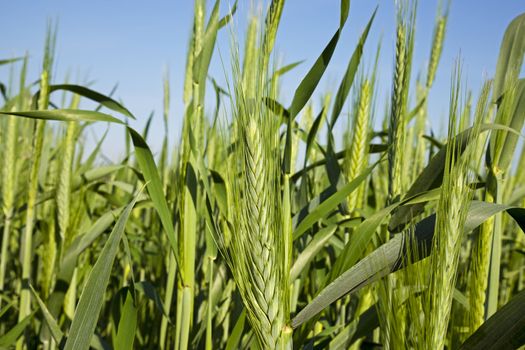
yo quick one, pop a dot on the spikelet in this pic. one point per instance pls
(49, 255)
(357, 154)
(437, 48)
(9, 183)
(255, 246)
(397, 123)
(256, 253)
(63, 198)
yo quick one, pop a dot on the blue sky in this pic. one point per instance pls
(130, 43)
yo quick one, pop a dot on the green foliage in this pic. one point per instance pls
(256, 231)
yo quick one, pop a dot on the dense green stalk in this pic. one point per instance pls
(27, 238)
(38, 144)
(394, 334)
(193, 98)
(9, 183)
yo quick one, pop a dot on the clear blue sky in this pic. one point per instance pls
(130, 42)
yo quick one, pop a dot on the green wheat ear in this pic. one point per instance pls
(253, 244)
(437, 48)
(451, 214)
(356, 157)
(256, 249)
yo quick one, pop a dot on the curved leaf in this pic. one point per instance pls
(93, 95)
(390, 256)
(142, 153)
(66, 115)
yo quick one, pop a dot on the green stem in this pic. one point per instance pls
(27, 240)
(170, 284)
(209, 316)
(3, 258)
(495, 257)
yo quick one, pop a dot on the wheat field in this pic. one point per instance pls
(263, 228)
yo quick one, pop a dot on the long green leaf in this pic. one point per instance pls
(348, 79)
(14, 333)
(92, 297)
(66, 115)
(154, 185)
(312, 78)
(50, 321)
(10, 60)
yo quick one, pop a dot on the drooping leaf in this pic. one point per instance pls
(93, 95)
(66, 115)
(391, 256)
(50, 321)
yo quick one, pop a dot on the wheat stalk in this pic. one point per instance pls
(256, 251)
(451, 214)
(394, 320)
(479, 263)
(38, 142)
